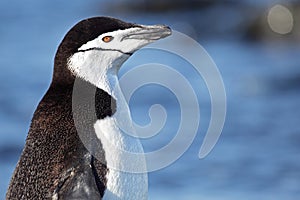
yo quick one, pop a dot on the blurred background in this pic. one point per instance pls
(255, 45)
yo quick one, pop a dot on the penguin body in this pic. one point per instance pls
(56, 163)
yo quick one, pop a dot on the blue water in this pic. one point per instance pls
(257, 156)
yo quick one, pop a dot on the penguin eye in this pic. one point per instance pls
(107, 39)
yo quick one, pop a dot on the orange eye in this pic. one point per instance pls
(107, 38)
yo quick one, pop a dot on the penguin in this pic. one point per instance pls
(68, 154)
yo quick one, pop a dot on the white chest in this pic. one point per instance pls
(121, 185)
(123, 154)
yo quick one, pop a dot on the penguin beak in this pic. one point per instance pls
(149, 33)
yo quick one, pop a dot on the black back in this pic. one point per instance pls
(54, 161)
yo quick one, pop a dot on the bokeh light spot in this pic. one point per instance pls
(280, 19)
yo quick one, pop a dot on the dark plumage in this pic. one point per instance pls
(54, 160)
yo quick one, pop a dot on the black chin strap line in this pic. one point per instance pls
(101, 49)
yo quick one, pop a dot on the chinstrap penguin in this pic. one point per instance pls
(55, 164)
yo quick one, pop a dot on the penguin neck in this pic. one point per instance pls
(104, 77)
(115, 134)
(108, 81)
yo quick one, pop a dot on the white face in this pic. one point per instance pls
(105, 54)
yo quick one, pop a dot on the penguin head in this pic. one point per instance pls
(100, 45)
